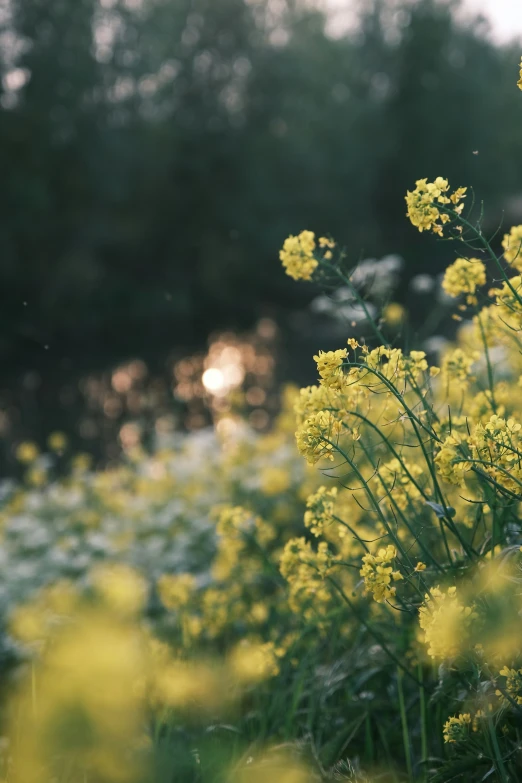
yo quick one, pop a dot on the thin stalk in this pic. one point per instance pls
(499, 763)
(424, 724)
(404, 724)
(378, 638)
(358, 298)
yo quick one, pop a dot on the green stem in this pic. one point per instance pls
(496, 752)
(404, 723)
(378, 638)
(424, 724)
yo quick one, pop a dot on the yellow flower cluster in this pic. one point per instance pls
(255, 662)
(316, 436)
(457, 728)
(519, 83)
(378, 573)
(497, 446)
(445, 622)
(176, 590)
(313, 399)
(320, 510)
(329, 367)
(99, 676)
(508, 301)
(297, 256)
(456, 368)
(392, 364)
(513, 684)
(424, 204)
(305, 570)
(464, 276)
(512, 245)
(451, 462)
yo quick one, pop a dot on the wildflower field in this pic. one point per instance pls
(337, 599)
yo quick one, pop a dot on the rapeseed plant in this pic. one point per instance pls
(433, 456)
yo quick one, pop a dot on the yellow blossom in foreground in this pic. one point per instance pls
(464, 276)
(519, 83)
(121, 587)
(272, 767)
(445, 622)
(251, 663)
(297, 256)
(456, 729)
(90, 712)
(378, 573)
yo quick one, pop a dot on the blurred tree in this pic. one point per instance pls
(155, 155)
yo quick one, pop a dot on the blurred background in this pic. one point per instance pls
(156, 153)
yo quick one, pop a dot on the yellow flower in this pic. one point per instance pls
(464, 276)
(327, 245)
(445, 622)
(513, 683)
(519, 83)
(329, 367)
(81, 462)
(176, 590)
(320, 509)
(305, 570)
(378, 573)
(36, 477)
(456, 367)
(251, 663)
(512, 244)
(27, 452)
(394, 314)
(121, 587)
(274, 481)
(456, 729)
(508, 301)
(420, 566)
(297, 256)
(315, 435)
(423, 210)
(57, 441)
